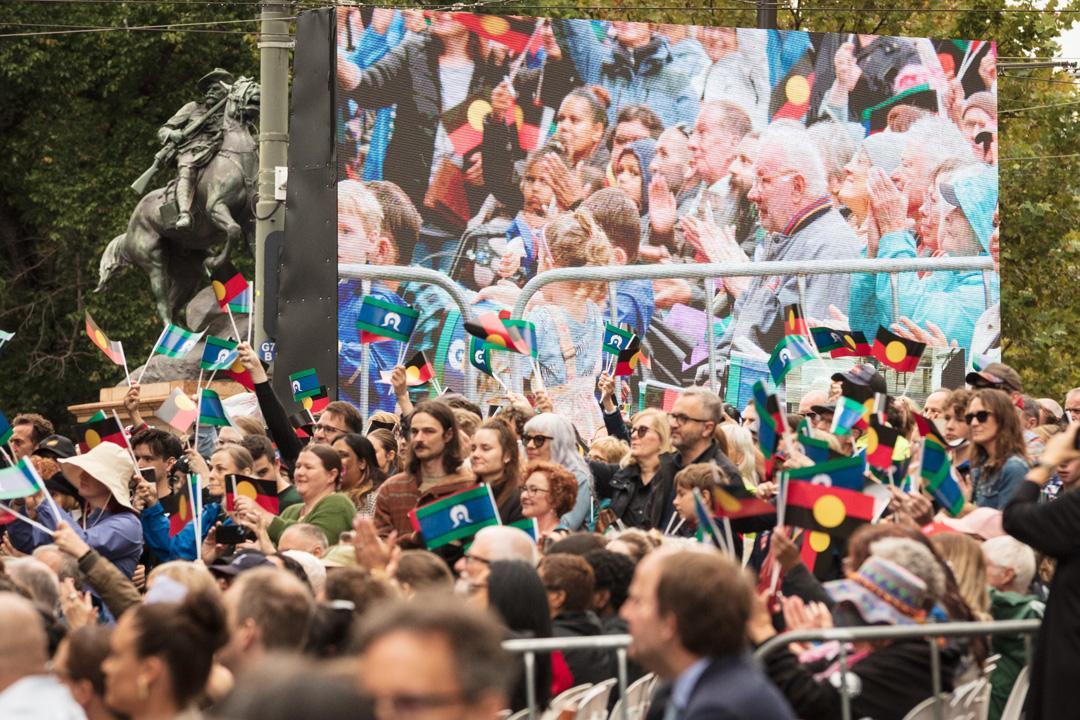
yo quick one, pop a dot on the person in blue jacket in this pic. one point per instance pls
(228, 460)
(109, 523)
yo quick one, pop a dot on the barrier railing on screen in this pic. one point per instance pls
(930, 633)
(710, 272)
(400, 273)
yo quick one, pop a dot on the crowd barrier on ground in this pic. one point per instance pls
(711, 271)
(931, 632)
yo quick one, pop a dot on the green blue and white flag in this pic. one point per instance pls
(791, 352)
(455, 517)
(936, 471)
(19, 481)
(218, 354)
(616, 339)
(211, 411)
(304, 384)
(6, 431)
(176, 342)
(242, 302)
(5, 337)
(380, 320)
(845, 472)
(530, 526)
(480, 356)
(848, 414)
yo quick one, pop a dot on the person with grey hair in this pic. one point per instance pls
(795, 210)
(552, 438)
(493, 543)
(65, 566)
(305, 537)
(1010, 568)
(930, 141)
(37, 579)
(836, 146)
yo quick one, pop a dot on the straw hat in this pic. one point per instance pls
(109, 464)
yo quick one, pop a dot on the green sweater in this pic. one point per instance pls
(333, 514)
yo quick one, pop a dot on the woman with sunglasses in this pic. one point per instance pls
(551, 438)
(635, 501)
(999, 456)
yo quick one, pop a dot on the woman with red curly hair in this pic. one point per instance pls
(549, 492)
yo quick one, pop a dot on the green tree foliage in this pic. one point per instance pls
(79, 113)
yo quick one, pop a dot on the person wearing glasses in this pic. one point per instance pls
(548, 495)
(999, 456)
(551, 438)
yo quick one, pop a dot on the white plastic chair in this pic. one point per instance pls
(568, 696)
(637, 696)
(1014, 706)
(592, 704)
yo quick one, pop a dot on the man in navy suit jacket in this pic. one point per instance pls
(687, 613)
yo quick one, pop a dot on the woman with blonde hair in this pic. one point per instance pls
(570, 318)
(741, 451)
(636, 500)
(963, 555)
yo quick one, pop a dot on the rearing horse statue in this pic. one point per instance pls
(177, 260)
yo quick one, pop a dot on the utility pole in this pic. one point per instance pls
(274, 46)
(766, 14)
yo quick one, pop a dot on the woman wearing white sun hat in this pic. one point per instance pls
(109, 524)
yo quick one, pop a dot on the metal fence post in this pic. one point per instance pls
(530, 684)
(845, 701)
(620, 655)
(935, 678)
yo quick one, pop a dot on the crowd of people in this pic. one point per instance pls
(336, 605)
(658, 144)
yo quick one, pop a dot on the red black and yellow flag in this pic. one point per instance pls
(880, 443)
(791, 96)
(898, 353)
(794, 322)
(855, 345)
(103, 429)
(112, 348)
(228, 283)
(263, 492)
(418, 370)
(317, 403)
(831, 511)
(746, 511)
(464, 123)
(490, 328)
(512, 32)
(178, 508)
(629, 357)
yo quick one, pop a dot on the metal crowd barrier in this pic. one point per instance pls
(367, 273)
(529, 648)
(930, 632)
(709, 272)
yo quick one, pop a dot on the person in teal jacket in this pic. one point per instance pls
(953, 301)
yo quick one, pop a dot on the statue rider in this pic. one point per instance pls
(196, 149)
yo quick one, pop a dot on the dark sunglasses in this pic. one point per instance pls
(535, 440)
(982, 416)
(640, 431)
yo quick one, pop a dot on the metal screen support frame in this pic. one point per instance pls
(685, 271)
(401, 273)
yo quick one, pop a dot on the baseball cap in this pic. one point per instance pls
(996, 375)
(865, 376)
(57, 447)
(983, 522)
(247, 560)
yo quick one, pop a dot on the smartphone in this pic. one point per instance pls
(233, 535)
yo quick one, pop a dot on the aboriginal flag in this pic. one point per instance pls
(791, 96)
(880, 443)
(630, 357)
(898, 353)
(112, 348)
(464, 123)
(491, 328)
(854, 345)
(746, 511)
(228, 283)
(512, 32)
(418, 370)
(794, 322)
(831, 510)
(101, 429)
(317, 403)
(178, 508)
(263, 492)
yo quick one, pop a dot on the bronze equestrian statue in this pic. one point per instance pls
(173, 229)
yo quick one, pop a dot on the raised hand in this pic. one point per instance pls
(662, 207)
(564, 182)
(250, 360)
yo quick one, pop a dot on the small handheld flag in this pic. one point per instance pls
(898, 353)
(218, 353)
(177, 342)
(301, 423)
(880, 443)
(746, 511)
(794, 322)
(418, 370)
(263, 492)
(178, 508)
(845, 472)
(112, 348)
(616, 339)
(855, 345)
(936, 471)
(770, 419)
(530, 526)
(5, 337)
(19, 481)
(826, 339)
(304, 384)
(317, 403)
(241, 303)
(228, 283)
(831, 511)
(464, 123)
(211, 411)
(455, 517)
(629, 358)
(6, 431)
(480, 356)
(527, 333)
(99, 430)
(848, 414)
(178, 411)
(380, 320)
(791, 352)
(511, 32)
(492, 329)
(817, 450)
(706, 525)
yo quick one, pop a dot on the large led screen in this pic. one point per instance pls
(497, 149)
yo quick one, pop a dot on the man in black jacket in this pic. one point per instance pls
(569, 582)
(688, 613)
